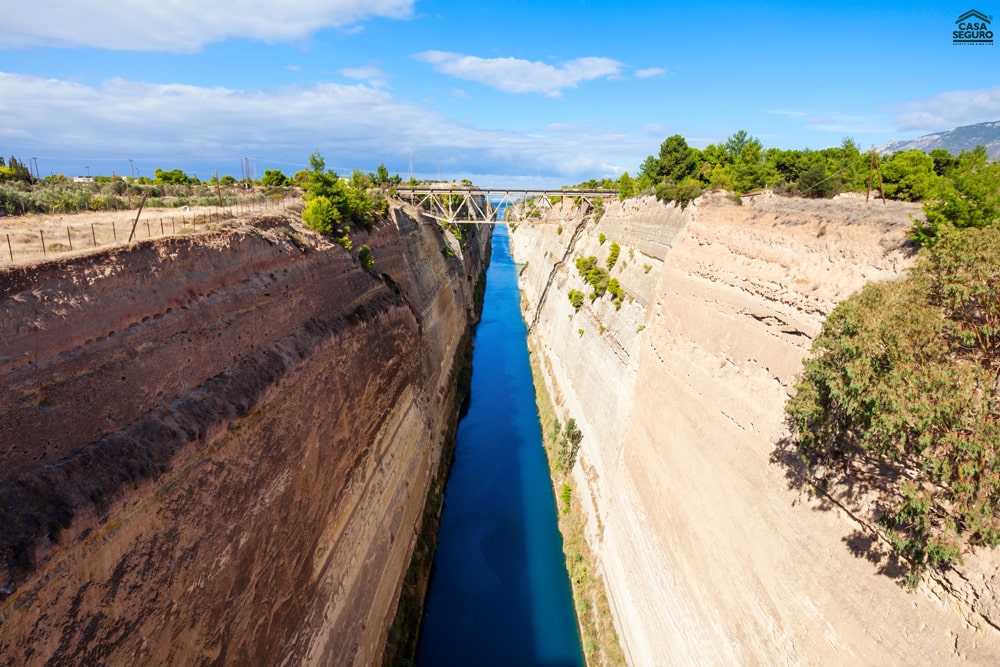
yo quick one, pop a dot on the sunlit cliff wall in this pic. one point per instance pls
(216, 448)
(708, 554)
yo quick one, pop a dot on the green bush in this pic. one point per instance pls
(320, 215)
(613, 255)
(366, 258)
(576, 298)
(904, 382)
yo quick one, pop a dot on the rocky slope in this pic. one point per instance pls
(216, 448)
(709, 552)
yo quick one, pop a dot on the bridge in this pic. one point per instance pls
(453, 204)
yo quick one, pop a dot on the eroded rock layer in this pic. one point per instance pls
(708, 553)
(216, 449)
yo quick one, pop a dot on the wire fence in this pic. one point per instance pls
(37, 237)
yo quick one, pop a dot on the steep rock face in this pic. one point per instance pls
(217, 448)
(708, 555)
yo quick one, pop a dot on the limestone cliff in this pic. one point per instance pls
(709, 555)
(216, 448)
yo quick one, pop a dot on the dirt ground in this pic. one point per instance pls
(33, 238)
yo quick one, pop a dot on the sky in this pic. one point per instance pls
(515, 93)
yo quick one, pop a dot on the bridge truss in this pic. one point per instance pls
(484, 205)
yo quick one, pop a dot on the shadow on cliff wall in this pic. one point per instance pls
(856, 488)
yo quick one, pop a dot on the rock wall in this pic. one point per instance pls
(708, 553)
(216, 448)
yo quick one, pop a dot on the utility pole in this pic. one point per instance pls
(37, 175)
(874, 165)
(88, 171)
(131, 168)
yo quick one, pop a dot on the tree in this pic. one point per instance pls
(316, 162)
(909, 176)
(677, 160)
(172, 177)
(274, 178)
(968, 197)
(381, 176)
(626, 186)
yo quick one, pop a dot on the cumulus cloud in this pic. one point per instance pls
(172, 125)
(950, 109)
(650, 71)
(513, 75)
(181, 26)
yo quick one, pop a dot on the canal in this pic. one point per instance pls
(499, 592)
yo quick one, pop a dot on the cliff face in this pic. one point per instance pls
(708, 554)
(216, 448)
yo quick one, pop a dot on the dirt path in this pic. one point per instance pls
(38, 237)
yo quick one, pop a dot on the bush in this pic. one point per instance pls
(576, 298)
(320, 215)
(366, 258)
(684, 193)
(968, 197)
(904, 382)
(613, 255)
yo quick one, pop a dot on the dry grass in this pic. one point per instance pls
(593, 612)
(39, 237)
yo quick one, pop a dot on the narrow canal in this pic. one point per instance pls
(499, 592)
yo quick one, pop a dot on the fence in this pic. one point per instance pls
(27, 242)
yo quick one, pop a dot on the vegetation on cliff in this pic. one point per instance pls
(679, 172)
(902, 391)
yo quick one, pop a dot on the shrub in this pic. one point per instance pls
(366, 258)
(904, 382)
(576, 298)
(320, 215)
(613, 255)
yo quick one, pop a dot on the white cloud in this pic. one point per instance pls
(197, 128)
(950, 109)
(370, 73)
(513, 75)
(650, 71)
(181, 26)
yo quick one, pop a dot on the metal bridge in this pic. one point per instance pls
(485, 205)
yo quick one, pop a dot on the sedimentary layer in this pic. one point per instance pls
(709, 553)
(216, 448)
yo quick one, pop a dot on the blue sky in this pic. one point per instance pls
(515, 93)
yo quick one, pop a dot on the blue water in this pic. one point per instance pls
(499, 592)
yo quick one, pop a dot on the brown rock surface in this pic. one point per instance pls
(216, 448)
(708, 555)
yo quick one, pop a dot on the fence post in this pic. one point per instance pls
(70, 237)
(114, 231)
(10, 248)
(93, 234)
(42, 234)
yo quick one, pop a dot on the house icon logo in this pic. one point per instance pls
(973, 27)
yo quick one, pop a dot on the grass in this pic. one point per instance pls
(593, 612)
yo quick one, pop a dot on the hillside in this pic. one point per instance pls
(955, 140)
(710, 549)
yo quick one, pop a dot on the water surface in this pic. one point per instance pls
(499, 593)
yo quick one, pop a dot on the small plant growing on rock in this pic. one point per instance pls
(366, 258)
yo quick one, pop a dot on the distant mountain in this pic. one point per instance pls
(966, 137)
